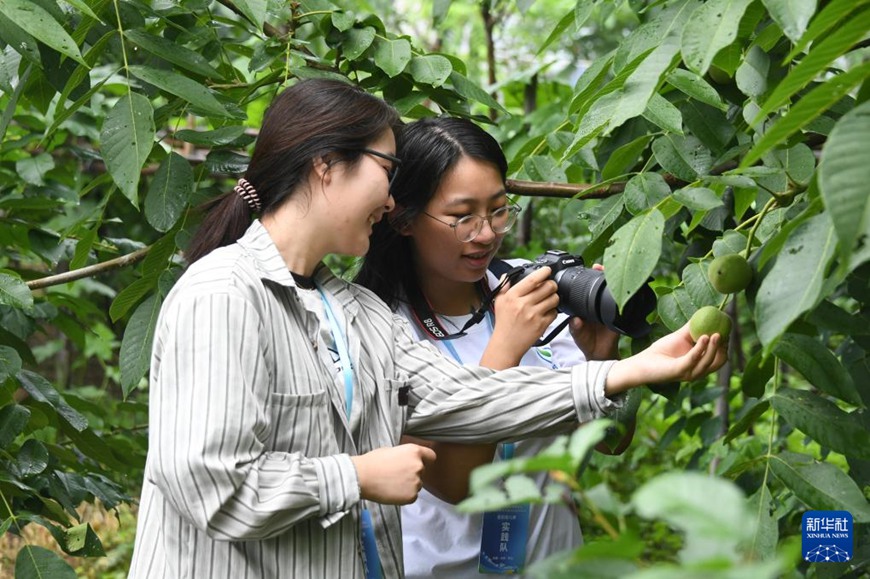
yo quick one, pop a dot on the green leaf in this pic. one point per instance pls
(712, 27)
(82, 7)
(544, 168)
(10, 363)
(32, 458)
(826, 19)
(633, 254)
(13, 420)
(33, 169)
(815, 62)
(82, 541)
(126, 141)
(684, 157)
(583, 440)
(24, 44)
(623, 159)
(757, 373)
(392, 56)
(431, 69)
(40, 563)
(183, 87)
(173, 52)
(130, 296)
(698, 285)
(783, 296)
(820, 485)
(791, 15)
(440, 8)
(806, 110)
(698, 198)
(755, 409)
(40, 24)
(676, 308)
(603, 215)
(843, 177)
(590, 80)
(818, 365)
(764, 540)
(799, 162)
(712, 528)
(159, 257)
(709, 124)
(83, 248)
(168, 193)
(823, 421)
(254, 11)
(731, 242)
(639, 87)
(357, 41)
(342, 20)
(663, 114)
(696, 87)
(135, 355)
(41, 390)
(521, 489)
(14, 292)
(216, 138)
(644, 191)
(566, 21)
(470, 90)
(751, 76)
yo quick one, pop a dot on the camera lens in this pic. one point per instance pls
(579, 290)
(583, 292)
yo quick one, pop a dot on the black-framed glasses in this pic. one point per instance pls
(393, 169)
(468, 227)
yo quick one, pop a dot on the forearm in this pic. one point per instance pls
(261, 499)
(447, 477)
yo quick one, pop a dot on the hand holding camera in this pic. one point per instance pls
(583, 293)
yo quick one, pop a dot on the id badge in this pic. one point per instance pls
(503, 540)
(371, 561)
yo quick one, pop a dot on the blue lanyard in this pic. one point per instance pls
(507, 448)
(343, 353)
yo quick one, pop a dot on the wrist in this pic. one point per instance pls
(623, 376)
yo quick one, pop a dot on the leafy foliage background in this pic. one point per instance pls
(676, 130)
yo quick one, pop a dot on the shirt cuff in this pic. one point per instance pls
(339, 487)
(588, 385)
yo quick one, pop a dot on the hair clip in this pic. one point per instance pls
(247, 192)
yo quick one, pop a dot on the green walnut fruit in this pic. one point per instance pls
(710, 320)
(729, 273)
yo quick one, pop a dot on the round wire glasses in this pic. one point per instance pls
(468, 227)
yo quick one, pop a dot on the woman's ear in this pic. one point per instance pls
(320, 166)
(399, 221)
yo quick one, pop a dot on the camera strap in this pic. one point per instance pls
(428, 321)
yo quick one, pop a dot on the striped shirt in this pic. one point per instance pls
(249, 472)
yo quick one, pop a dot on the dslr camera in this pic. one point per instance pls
(583, 293)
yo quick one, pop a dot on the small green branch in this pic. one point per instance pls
(771, 203)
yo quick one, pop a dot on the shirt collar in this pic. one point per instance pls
(271, 266)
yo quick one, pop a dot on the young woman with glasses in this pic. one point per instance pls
(278, 392)
(429, 261)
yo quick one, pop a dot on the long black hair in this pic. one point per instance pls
(311, 119)
(429, 148)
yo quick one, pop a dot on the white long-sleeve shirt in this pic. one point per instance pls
(249, 472)
(440, 542)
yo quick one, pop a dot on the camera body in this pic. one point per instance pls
(583, 293)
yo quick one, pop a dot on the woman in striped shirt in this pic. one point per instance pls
(279, 393)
